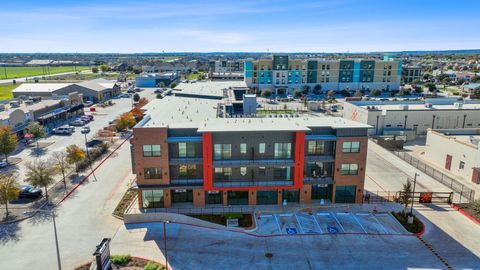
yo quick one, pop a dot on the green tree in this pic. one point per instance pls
(59, 159)
(104, 68)
(417, 82)
(40, 173)
(445, 82)
(376, 92)
(406, 194)
(475, 79)
(136, 97)
(37, 131)
(431, 87)
(9, 190)
(317, 88)
(305, 89)
(94, 69)
(266, 93)
(8, 141)
(297, 94)
(75, 155)
(161, 85)
(173, 85)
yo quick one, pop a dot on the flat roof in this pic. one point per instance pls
(40, 87)
(422, 107)
(207, 88)
(5, 114)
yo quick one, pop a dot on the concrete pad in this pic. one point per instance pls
(267, 225)
(390, 223)
(370, 223)
(349, 223)
(308, 223)
(326, 221)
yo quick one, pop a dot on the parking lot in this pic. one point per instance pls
(327, 223)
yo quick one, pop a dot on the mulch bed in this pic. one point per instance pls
(134, 264)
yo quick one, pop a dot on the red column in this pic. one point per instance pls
(207, 161)
(299, 156)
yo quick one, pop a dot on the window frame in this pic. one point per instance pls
(151, 151)
(350, 148)
(349, 171)
(153, 176)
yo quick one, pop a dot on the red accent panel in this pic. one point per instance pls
(207, 161)
(299, 156)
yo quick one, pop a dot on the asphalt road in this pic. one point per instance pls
(23, 79)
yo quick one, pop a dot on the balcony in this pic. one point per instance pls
(325, 180)
(185, 160)
(186, 182)
(250, 183)
(323, 157)
(252, 162)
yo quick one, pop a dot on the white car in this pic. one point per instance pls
(63, 130)
(85, 129)
(3, 164)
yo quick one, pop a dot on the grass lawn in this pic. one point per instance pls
(194, 76)
(6, 90)
(18, 72)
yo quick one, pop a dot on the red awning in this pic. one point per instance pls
(28, 136)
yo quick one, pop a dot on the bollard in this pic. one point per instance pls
(311, 211)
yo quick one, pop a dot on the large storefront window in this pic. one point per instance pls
(316, 147)
(291, 195)
(182, 196)
(152, 198)
(214, 197)
(267, 197)
(345, 194)
(238, 197)
(187, 171)
(322, 192)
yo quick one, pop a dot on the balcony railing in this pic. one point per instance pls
(324, 157)
(187, 182)
(327, 180)
(252, 162)
(185, 160)
(241, 183)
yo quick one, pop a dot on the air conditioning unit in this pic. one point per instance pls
(458, 105)
(403, 107)
(428, 105)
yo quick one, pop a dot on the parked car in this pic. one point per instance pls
(63, 130)
(124, 95)
(85, 118)
(88, 103)
(290, 97)
(77, 123)
(3, 163)
(158, 91)
(89, 117)
(31, 192)
(131, 91)
(85, 129)
(93, 143)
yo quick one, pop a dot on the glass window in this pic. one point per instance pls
(222, 151)
(349, 169)
(152, 198)
(189, 170)
(261, 171)
(186, 149)
(283, 150)
(151, 150)
(261, 148)
(351, 147)
(243, 171)
(281, 173)
(461, 166)
(237, 197)
(267, 197)
(223, 173)
(291, 195)
(152, 173)
(345, 194)
(243, 148)
(316, 147)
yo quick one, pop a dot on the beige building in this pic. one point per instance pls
(455, 150)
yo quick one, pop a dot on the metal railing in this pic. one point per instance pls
(461, 191)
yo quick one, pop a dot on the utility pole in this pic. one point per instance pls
(413, 195)
(165, 242)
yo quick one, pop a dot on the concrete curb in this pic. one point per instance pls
(467, 215)
(34, 212)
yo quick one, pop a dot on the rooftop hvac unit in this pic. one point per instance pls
(428, 105)
(403, 107)
(458, 105)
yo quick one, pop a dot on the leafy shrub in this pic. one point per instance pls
(153, 266)
(476, 205)
(120, 260)
(402, 217)
(94, 154)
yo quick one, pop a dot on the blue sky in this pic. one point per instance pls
(243, 25)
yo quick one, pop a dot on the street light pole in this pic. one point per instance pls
(413, 194)
(165, 242)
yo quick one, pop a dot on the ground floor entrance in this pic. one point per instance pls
(182, 196)
(322, 192)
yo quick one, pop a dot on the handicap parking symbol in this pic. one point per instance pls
(332, 229)
(291, 231)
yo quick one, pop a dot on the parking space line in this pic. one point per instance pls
(299, 223)
(278, 224)
(318, 225)
(381, 225)
(354, 217)
(338, 222)
(323, 214)
(285, 215)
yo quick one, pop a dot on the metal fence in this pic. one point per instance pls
(461, 191)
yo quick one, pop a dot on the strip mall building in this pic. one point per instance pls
(184, 154)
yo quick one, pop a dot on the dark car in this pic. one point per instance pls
(94, 143)
(30, 192)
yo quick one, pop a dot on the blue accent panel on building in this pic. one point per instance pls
(248, 69)
(399, 70)
(321, 137)
(264, 77)
(295, 77)
(184, 139)
(356, 71)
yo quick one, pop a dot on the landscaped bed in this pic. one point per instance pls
(469, 208)
(402, 217)
(124, 203)
(244, 220)
(128, 262)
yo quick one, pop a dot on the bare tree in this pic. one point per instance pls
(59, 159)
